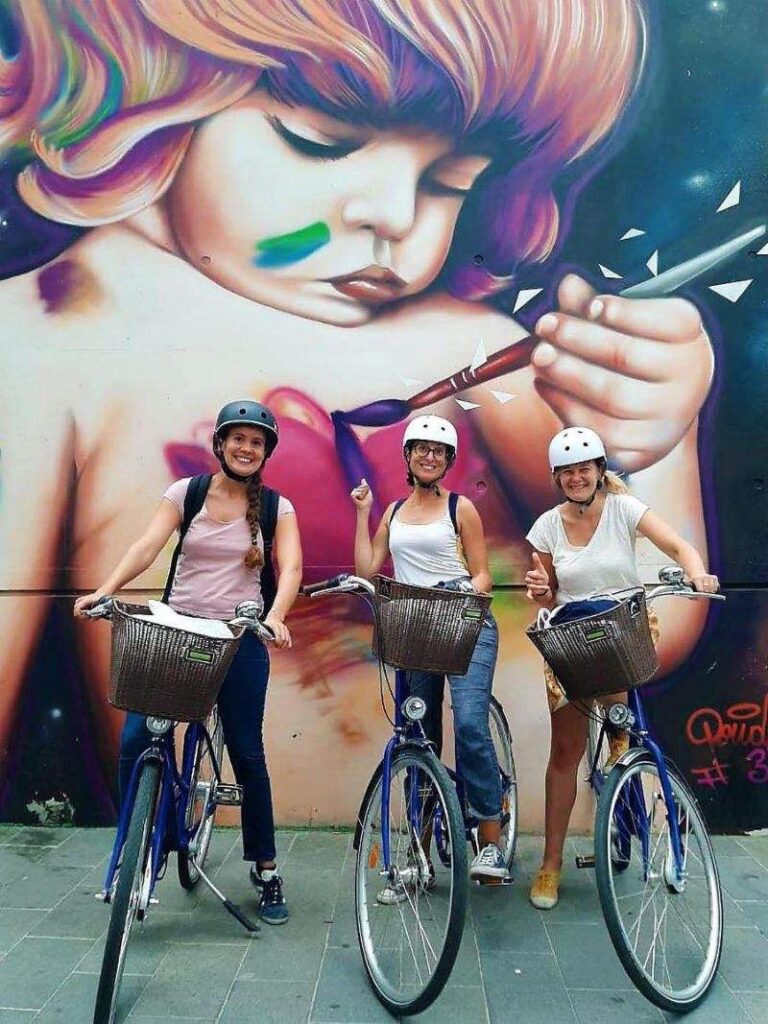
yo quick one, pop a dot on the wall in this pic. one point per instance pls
(183, 203)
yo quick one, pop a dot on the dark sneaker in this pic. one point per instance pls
(272, 906)
(489, 863)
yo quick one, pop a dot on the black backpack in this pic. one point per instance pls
(194, 501)
(453, 501)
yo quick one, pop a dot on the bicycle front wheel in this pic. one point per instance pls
(666, 925)
(131, 891)
(410, 912)
(502, 744)
(201, 803)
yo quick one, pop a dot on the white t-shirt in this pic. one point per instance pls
(426, 554)
(605, 565)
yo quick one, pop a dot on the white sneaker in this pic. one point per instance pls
(489, 863)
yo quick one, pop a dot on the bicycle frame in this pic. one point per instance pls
(169, 831)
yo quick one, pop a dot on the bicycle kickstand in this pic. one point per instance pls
(229, 906)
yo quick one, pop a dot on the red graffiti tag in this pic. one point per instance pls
(744, 724)
(713, 775)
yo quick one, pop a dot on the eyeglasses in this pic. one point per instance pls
(439, 451)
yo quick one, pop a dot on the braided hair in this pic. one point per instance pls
(254, 557)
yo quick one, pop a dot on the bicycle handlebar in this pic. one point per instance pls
(344, 583)
(103, 610)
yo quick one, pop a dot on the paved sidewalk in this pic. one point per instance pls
(193, 963)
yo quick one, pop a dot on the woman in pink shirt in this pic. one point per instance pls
(219, 565)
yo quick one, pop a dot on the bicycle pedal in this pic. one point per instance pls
(586, 861)
(229, 795)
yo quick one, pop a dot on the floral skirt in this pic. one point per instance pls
(556, 697)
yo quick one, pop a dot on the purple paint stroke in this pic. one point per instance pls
(57, 283)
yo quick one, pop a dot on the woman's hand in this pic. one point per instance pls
(635, 370)
(706, 583)
(362, 496)
(537, 581)
(85, 602)
(279, 628)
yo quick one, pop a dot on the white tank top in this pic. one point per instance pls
(427, 554)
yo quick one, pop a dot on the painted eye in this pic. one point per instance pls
(312, 147)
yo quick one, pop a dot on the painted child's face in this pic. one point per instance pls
(315, 216)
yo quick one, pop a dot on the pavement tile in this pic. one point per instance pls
(344, 994)
(744, 964)
(7, 832)
(525, 987)
(41, 886)
(287, 952)
(268, 1002)
(147, 948)
(16, 1016)
(79, 916)
(754, 912)
(37, 836)
(73, 1003)
(609, 1006)
(586, 956)
(504, 919)
(318, 851)
(85, 846)
(14, 925)
(757, 847)
(755, 1004)
(743, 878)
(34, 969)
(192, 981)
(456, 1004)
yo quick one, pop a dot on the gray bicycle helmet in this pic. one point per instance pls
(246, 413)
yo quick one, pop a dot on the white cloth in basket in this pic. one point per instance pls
(165, 615)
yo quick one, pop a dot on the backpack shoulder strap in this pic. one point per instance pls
(398, 504)
(194, 500)
(453, 501)
(268, 515)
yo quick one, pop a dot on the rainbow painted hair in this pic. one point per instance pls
(101, 98)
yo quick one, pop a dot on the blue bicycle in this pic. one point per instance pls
(410, 907)
(656, 873)
(169, 675)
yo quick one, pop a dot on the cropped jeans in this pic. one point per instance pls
(241, 708)
(470, 699)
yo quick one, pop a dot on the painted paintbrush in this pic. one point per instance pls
(515, 356)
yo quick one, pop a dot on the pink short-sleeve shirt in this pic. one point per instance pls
(211, 575)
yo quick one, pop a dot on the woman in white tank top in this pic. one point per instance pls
(436, 538)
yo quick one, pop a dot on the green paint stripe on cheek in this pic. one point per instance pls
(297, 245)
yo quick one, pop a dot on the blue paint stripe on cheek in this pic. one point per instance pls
(274, 258)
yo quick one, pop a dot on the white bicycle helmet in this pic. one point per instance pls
(572, 445)
(432, 428)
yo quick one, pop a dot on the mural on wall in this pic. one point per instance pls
(336, 207)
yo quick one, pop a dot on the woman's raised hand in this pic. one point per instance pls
(537, 580)
(362, 496)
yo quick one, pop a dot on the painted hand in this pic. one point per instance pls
(635, 370)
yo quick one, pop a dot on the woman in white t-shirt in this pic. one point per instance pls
(220, 564)
(582, 547)
(436, 538)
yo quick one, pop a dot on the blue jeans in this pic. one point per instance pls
(470, 698)
(241, 707)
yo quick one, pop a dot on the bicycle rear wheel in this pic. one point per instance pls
(667, 928)
(131, 891)
(410, 918)
(201, 803)
(502, 744)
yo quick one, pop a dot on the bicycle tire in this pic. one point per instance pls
(502, 742)
(412, 991)
(203, 776)
(619, 901)
(127, 892)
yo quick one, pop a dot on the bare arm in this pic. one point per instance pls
(139, 556)
(370, 555)
(290, 564)
(541, 580)
(473, 542)
(660, 533)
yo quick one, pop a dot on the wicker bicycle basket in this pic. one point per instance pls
(162, 671)
(604, 653)
(426, 628)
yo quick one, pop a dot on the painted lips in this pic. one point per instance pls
(373, 285)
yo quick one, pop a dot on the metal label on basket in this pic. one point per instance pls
(472, 613)
(196, 654)
(597, 633)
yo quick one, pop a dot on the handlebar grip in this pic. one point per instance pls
(315, 588)
(101, 610)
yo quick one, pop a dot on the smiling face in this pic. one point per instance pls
(316, 216)
(427, 461)
(579, 481)
(244, 449)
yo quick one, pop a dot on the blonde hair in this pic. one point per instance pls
(613, 483)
